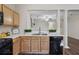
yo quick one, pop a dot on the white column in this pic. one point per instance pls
(58, 21)
(65, 29)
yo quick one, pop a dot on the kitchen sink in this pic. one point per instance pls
(40, 34)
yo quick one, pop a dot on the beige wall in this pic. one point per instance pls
(48, 6)
(73, 25)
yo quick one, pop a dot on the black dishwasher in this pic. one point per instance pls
(55, 48)
(6, 46)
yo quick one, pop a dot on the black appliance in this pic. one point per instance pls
(6, 46)
(1, 18)
(55, 48)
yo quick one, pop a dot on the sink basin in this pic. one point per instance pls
(43, 34)
(40, 34)
(35, 34)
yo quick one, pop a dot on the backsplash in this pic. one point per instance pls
(5, 29)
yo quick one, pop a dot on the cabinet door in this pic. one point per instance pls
(25, 44)
(44, 44)
(16, 46)
(35, 44)
(8, 15)
(0, 7)
(16, 19)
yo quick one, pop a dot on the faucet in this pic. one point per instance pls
(39, 30)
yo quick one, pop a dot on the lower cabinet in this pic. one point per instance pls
(44, 44)
(25, 44)
(38, 45)
(35, 44)
(16, 46)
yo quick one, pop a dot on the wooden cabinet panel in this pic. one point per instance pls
(25, 44)
(8, 15)
(26, 37)
(0, 7)
(44, 38)
(44, 44)
(16, 46)
(35, 44)
(16, 19)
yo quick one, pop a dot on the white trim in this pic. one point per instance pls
(58, 21)
(65, 29)
(66, 47)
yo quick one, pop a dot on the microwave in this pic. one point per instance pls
(1, 18)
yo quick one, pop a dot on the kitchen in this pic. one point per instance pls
(34, 31)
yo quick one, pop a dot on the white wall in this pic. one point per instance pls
(24, 17)
(23, 9)
(51, 6)
(73, 25)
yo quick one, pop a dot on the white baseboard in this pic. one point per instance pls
(67, 47)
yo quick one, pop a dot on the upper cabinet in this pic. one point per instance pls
(8, 15)
(11, 18)
(16, 19)
(0, 7)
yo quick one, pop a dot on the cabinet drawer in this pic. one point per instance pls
(26, 37)
(35, 37)
(44, 38)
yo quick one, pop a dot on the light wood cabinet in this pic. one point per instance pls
(35, 44)
(8, 15)
(15, 19)
(25, 44)
(0, 7)
(44, 44)
(11, 17)
(16, 46)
